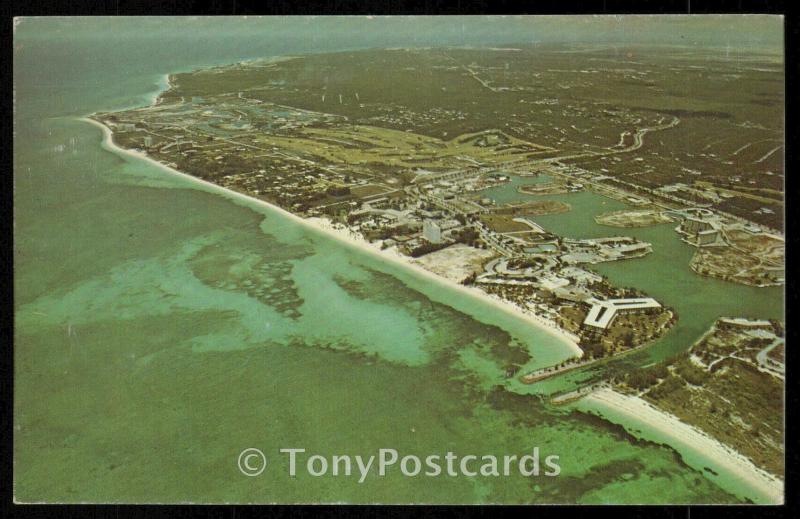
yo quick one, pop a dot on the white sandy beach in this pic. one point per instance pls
(684, 436)
(393, 255)
(680, 434)
(354, 240)
(164, 85)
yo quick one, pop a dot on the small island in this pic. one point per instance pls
(633, 218)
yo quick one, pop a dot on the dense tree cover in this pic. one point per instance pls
(467, 235)
(338, 190)
(594, 350)
(426, 248)
(670, 384)
(647, 377)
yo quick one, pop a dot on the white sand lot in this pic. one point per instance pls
(456, 262)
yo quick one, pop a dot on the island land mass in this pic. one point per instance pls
(397, 148)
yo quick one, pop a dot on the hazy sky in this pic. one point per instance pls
(739, 31)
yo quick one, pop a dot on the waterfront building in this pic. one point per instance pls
(709, 237)
(431, 231)
(602, 313)
(695, 225)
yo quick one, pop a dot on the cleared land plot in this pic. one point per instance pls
(456, 262)
(632, 218)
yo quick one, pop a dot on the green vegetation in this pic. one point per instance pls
(593, 349)
(646, 377)
(427, 248)
(530, 104)
(691, 373)
(338, 190)
(723, 392)
(667, 387)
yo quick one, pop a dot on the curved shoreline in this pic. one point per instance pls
(324, 227)
(765, 487)
(639, 415)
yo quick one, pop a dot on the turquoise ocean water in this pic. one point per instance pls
(161, 328)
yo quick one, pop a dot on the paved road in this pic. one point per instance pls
(762, 359)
